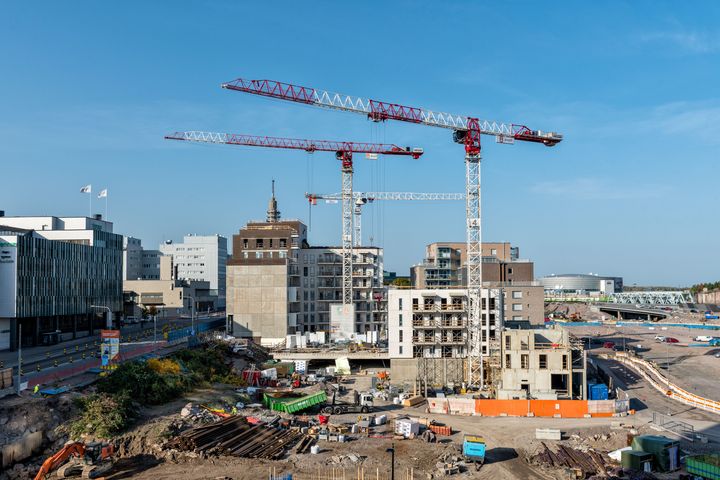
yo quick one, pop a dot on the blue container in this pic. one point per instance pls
(598, 391)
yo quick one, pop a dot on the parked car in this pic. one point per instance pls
(617, 348)
(659, 338)
(608, 344)
(671, 340)
(703, 338)
(694, 310)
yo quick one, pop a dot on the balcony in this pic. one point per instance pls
(448, 307)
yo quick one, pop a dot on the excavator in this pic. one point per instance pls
(89, 460)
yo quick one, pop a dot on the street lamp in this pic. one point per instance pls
(108, 320)
(391, 451)
(192, 315)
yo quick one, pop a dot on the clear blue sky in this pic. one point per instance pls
(88, 89)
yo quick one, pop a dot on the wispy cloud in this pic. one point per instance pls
(691, 41)
(586, 188)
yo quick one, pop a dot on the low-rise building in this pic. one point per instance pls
(53, 270)
(545, 364)
(579, 283)
(168, 293)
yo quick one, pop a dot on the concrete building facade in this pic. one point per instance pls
(52, 269)
(544, 364)
(278, 284)
(201, 258)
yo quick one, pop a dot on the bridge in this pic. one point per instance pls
(631, 312)
(651, 298)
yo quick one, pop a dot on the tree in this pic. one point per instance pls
(401, 282)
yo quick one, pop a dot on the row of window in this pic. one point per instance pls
(542, 361)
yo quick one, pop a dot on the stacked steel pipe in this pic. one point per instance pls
(235, 436)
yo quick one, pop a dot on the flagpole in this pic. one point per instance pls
(90, 195)
(106, 208)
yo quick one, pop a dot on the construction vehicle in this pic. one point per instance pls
(89, 460)
(474, 450)
(362, 403)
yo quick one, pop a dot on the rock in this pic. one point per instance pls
(4, 420)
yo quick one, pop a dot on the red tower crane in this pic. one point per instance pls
(343, 152)
(467, 131)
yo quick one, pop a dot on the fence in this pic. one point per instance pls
(663, 384)
(525, 408)
(678, 427)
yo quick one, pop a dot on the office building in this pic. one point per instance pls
(202, 258)
(52, 271)
(139, 263)
(167, 293)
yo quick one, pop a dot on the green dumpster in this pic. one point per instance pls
(705, 466)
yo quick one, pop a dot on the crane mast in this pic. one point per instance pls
(467, 131)
(363, 198)
(343, 152)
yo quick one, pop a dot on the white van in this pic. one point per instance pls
(703, 338)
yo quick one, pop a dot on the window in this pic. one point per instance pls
(543, 362)
(525, 361)
(305, 271)
(493, 251)
(517, 307)
(517, 317)
(283, 243)
(508, 364)
(509, 271)
(565, 362)
(283, 254)
(516, 294)
(400, 320)
(258, 254)
(508, 342)
(259, 243)
(400, 349)
(399, 303)
(400, 335)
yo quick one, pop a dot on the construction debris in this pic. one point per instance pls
(235, 436)
(582, 464)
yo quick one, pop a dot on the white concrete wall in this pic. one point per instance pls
(400, 306)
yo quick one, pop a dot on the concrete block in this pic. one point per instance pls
(21, 449)
(548, 434)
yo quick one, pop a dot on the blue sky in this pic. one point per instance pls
(87, 92)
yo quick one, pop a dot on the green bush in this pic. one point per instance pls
(144, 385)
(103, 415)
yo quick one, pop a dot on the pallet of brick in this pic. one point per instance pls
(441, 429)
(6, 378)
(413, 401)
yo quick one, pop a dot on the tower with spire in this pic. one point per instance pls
(273, 214)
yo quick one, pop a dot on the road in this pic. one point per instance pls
(645, 399)
(87, 347)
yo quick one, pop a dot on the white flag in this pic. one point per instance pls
(86, 189)
(103, 193)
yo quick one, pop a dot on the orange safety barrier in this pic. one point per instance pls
(537, 408)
